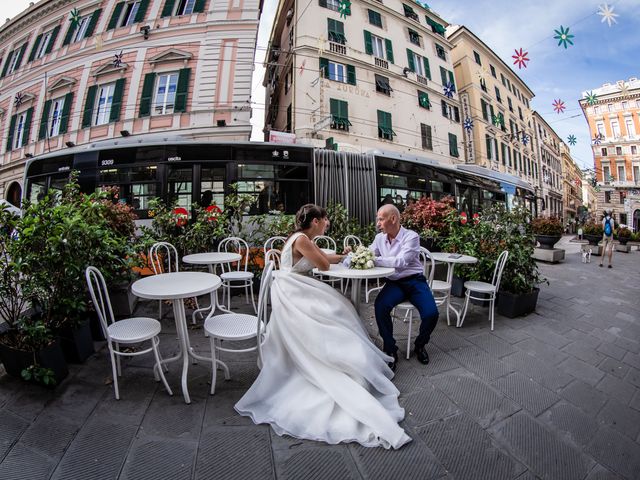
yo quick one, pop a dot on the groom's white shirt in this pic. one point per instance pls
(401, 253)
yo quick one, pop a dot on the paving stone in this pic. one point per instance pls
(511, 335)
(480, 362)
(628, 344)
(632, 359)
(578, 335)
(531, 395)
(426, 405)
(581, 370)
(50, 434)
(572, 421)
(153, 459)
(584, 396)
(541, 372)
(635, 401)
(493, 345)
(601, 473)
(446, 340)
(482, 457)
(439, 362)
(585, 352)
(633, 377)
(544, 453)
(617, 452)
(12, 428)
(616, 388)
(479, 400)
(546, 335)
(221, 453)
(317, 464)
(603, 335)
(621, 418)
(30, 401)
(220, 409)
(542, 351)
(613, 367)
(76, 400)
(23, 463)
(559, 326)
(136, 391)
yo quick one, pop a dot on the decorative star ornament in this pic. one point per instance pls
(559, 106)
(624, 89)
(597, 140)
(74, 17)
(525, 139)
(572, 140)
(497, 120)
(482, 73)
(591, 98)
(521, 58)
(563, 37)
(607, 14)
(18, 99)
(449, 89)
(117, 61)
(423, 102)
(344, 8)
(468, 125)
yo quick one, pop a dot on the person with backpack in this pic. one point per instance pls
(607, 236)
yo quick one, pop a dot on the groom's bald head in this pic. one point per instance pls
(388, 219)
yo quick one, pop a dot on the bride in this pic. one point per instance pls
(322, 378)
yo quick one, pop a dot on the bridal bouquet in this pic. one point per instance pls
(362, 258)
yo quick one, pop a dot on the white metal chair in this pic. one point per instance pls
(238, 327)
(164, 259)
(441, 290)
(429, 266)
(241, 277)
(272, 241)
(273, 255)
(489, 291)
(351, 241)
(127, 331)
(323, 241)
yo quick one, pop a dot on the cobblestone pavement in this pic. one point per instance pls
(552, 395)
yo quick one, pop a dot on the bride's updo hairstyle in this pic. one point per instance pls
(307, 214)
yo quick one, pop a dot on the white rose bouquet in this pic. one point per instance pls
(362, 258)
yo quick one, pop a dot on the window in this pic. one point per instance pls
(129, 15)
(44, 44)
(485, 110)
(600, 128)
(417, 64)
(55, 116)
(385, 129)
(625, 105)
(378, 46)
(16, 58)
(636, 173)
(103, 106)
(476, 57)
(520, 114)
(621, 174)
(185, 7)
(510, 104)
(504, 80)
(631, 130)
(165, 95)
(81, 29)
(450, 112)
(339, 115)
(453, 145)
(427, 141)
(618, 150)
(447, 76)
(604, 151)
(493, 71)
(606, 173)
(408, 12)
(615, 128)
(435, 27)
(382, 85)
(336, 31)
(610, 107)
(596, 109)
(423, 100)
(287, 128)
(375, 18)
(634, 150)
(483, 85)
(338, 72)
(498, 97)
(440, 52)
(18, 133)
(414, 37)
(607, 195)
(489, 143)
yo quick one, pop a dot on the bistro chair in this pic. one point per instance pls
(328, 243)
(269, 244)
(238, 276)
(351, 241)
(237, 327)
(428, 267)
(127, 331)
(273, 255)
(488, 291)
(164, 259)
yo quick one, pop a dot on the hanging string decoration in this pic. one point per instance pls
(468, 125)
(564, 37)
(520, 58)
(449, 89)
(344, 8)
(18, 99)
(591, 97)
(74, 17)
(559, 106)
(117, 61)
(606, 12)
(572, 140)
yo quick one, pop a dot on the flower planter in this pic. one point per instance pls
(593, 239)
(513, 305)
(77, 343)
(457, 286)
(623, 240)
(123, 301)
(51, 356)
(430, 244)
(547, 241)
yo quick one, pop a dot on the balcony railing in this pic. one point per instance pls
(422, 80)
(381, 62)
(337, 48)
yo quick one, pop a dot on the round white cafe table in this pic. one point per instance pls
(211, 260)
(453, 259)
(177, 286)
(356, 276)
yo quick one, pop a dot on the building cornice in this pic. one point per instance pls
(30, 16)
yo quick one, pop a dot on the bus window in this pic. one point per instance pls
(212, 181)
(37, 189)
(180, 186)
(56, 185)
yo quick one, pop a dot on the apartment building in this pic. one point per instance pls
(612, 113)
(75, 72)
(547, 147)
(571, 188)
(377, 75)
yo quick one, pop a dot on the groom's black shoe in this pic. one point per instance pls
(392, 365)
(422, 355)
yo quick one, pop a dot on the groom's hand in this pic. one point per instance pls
(347, 251)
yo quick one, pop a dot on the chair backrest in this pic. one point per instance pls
(273, 255)
(324, 241)
(497, 272)
(351, 241)
(163, 257)
(236, 245)
(100, 298)
(269, 244)
(265, 286)
(428, 265)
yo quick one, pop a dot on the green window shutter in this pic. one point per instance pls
(7, 63)
(333, 107)
(368, 43)
(43, 120)
(381, 119)
(182, 90)
(452, 79)
(12, 127)
(344, 111)
(20, 55)
(115, 16)
(443, 76)
(483, 107)
(66, 109)
(322, 3)
(167, 10)
(412, 65)
(52, 41)
(375, 18)
(142, 11)
(69, 35)
(427, 140)
(331, 30)
(351, 75)
(453, 145)
(116, 103)
(198, 7)
(389, 47)
(27, 126)
(32, 55)
(324, 67)
(88, 106)
(491, 109)
(427, 70)
(92, 23)
(488, 143)
(147, 95)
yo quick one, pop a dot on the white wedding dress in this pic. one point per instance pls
(322, 378)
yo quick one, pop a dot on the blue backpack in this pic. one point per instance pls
(607, 226)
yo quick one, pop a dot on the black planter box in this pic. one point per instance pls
(430, 244)
(49, 357)
(457, 286)
(593, 239)
(96, 329)
(516, 305)
(547, 241)
(77, 343)
(123, 301)
(623, 240)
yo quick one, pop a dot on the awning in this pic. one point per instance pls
(387, 131)
(383, 83)
(340, 121)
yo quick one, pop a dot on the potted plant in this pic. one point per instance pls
(624, 235)
(430, 219)
(547, 231)
(593, 232)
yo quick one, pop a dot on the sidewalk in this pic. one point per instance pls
(553, 395)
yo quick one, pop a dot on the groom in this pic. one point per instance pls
(397, 247)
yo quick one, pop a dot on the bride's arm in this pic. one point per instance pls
(305, 247)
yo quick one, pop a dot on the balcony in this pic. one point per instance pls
(422, 80)
(337, 48)
(381, 62)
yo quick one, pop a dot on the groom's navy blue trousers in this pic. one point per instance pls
(414, 289)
